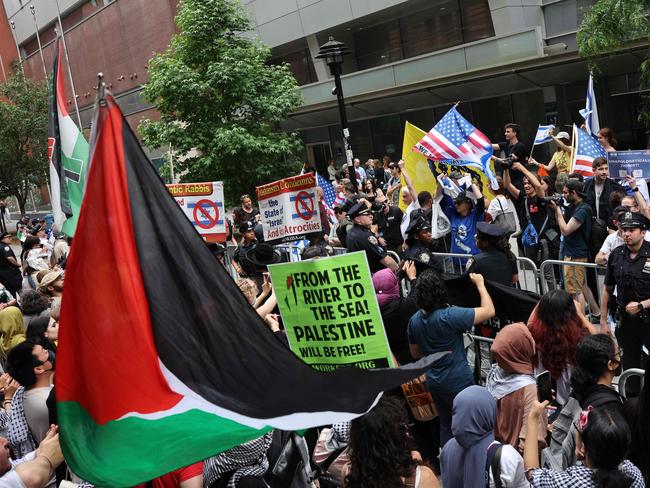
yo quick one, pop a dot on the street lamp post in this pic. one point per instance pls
(332, 52)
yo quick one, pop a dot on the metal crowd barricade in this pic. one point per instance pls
(626, 376)
(551, 272)
(455, 264)
(479, 356)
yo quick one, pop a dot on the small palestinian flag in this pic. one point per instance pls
(68, 154)
(161, 361)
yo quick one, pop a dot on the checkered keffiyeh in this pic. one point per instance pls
(580, 477)
(248, 459)
(20, 438)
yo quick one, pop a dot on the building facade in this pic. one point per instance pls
(503, 60)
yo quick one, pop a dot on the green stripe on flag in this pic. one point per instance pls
(119, 454)
(76, 165)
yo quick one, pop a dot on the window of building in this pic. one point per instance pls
(377, 45)
(565, 17)
(476, 19)
(436, 28)
(300, 63)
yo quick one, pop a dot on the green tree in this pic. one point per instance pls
(23, 137)
(220, 102)
(610, 26)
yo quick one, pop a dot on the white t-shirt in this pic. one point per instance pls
(506, 206)
(406, 217)
(512, 469)
(598, 189)
(36, 412)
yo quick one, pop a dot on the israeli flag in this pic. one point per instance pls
(543, 134)
(590, 112)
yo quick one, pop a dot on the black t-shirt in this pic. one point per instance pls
(396, 315)
(242, 215)
(518, 149)
(537, 209)
(389, 226)
(576, 244)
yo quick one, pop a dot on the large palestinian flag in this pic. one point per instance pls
(161, 360)
(68, 153)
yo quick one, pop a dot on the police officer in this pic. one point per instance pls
(420, 246)
(360, 238)
(242, 265)
(495, 261)
(10, 275)
(389, 218)
(628, 269)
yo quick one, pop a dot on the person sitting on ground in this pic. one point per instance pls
(51, 285)
(495, 261)
(602, 443)
(35, 469)
(34, 259)
(241, 466)
(512, 384)
(598, 361)
(33, 304)
(32, 366)
(12, 331)
(381, 454)
(557, 325)
(637, 413)
(188, 477)
(472, 451)
(40, 332)
(439, 327)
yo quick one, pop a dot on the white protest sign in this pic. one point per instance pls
(289, 209)
(204, 207)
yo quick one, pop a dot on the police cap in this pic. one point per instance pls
(488, 229)
(634, 220)
(359, 209)
(246, 226)
(418, 224)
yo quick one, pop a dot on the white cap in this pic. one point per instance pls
(563, 135)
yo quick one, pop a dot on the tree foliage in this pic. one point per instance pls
(611, 25)
(220, 102)
(23, 137)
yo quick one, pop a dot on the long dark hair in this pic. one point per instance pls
(557, 328)
(28, 245)
(640, 424)
(430, 291)
(593, 354)
(36, 332)
(380, 447)
(607, 439)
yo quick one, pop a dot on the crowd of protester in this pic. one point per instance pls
(509, 429)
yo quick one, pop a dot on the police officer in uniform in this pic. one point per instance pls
(495, 261)
(420, 246)
(361, 238)
(10, 275)
(242, 265)
(628, 269)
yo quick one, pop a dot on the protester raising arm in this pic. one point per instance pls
(408, 180)
(507, 184)
(37, 472)
(638, 196)
(531, 447)
(539, 190)
(486, 310)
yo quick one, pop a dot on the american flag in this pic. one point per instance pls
(329, 197)
(455, 141)
(586, 150)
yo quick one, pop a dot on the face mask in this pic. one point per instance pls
(618, 370)
(51, 357)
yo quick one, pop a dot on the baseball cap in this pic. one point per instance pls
(563, 135)
(576, 185)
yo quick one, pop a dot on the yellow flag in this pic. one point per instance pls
(418, 167)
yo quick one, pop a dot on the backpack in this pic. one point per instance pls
(493, 463)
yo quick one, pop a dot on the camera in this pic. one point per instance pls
(556, 198)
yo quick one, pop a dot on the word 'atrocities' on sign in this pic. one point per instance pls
(289, 209)
(203, 204)
(330, 312)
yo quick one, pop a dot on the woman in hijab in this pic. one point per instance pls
(464, 458)
(396, 311)
(12, 330)
(512, 384)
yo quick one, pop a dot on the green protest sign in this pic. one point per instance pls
(330, 312)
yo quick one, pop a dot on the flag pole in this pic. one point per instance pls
(67, 58)
(20, 59)
(38, 39)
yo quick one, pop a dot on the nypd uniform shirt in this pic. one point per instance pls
(362, 239)
(6, 252)
(630, 276)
